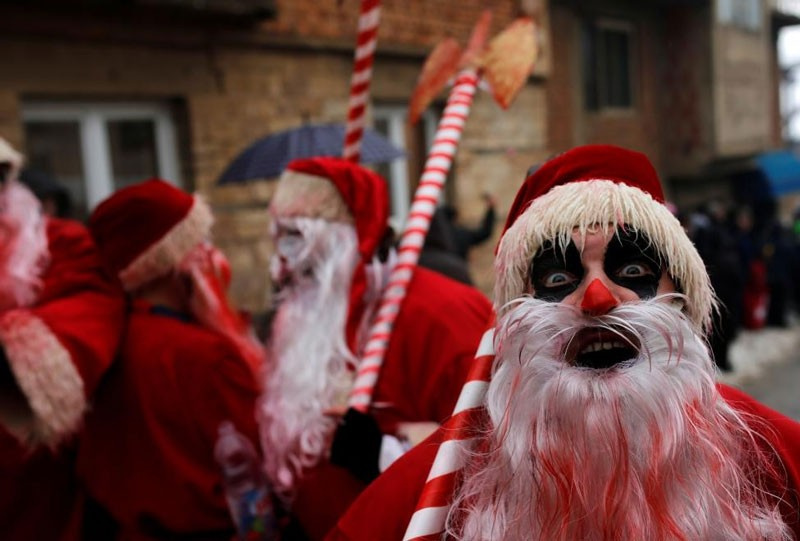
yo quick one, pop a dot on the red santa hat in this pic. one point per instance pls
(145, 230)
(338, 190)
(590, 185)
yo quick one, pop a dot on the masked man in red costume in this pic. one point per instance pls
(330, 229)
(61, 318)
(187, 364)
(602, 419)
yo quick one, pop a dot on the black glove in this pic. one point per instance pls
(357, 445)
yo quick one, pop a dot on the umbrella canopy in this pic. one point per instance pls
(269, 156)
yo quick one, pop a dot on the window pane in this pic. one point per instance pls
(589, 66)
(381, 125)
(133, 151)
(617, 74)
(612, 68)
(54, 148)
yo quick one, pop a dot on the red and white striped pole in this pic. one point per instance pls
(367, 41)
(440, 158)
(429, 518)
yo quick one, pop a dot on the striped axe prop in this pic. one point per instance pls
(506, 72)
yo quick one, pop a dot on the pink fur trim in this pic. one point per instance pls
(46, 375)
(170, 250)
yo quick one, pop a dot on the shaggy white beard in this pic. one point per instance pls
(645, 450)
(23, 246)
(309, 355)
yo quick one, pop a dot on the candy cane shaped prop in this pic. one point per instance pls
(428, 520)
(366, 43)
(440, 65)
(426, 197)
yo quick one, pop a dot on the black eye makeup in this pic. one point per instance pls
(555, 274)
(632, 262)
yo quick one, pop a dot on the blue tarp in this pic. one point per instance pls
(781, 170)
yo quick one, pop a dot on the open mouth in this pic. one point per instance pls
(599, 348)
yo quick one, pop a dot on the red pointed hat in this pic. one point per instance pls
(583, 164)
(145, 230)
(362, 191)
(338, 190)
(597, 185)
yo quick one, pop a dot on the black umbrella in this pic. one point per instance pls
(269, 156)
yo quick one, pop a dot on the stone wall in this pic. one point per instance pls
(742, 78)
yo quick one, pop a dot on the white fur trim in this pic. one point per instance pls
(12, 157)
(309, 196)
(170, 249)
(554, 215)
(46, 375)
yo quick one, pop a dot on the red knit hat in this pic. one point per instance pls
(145, 230)
(338, 190)
(587, 186)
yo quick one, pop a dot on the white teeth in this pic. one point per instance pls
(598, 346)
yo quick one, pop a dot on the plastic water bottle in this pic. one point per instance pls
(246, 489)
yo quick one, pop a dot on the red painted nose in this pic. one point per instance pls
(598, 300)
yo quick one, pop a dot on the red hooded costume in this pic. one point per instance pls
(147, 453)
(55, 352)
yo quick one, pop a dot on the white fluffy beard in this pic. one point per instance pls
(308, 363)
(645, 450)
(23, 246)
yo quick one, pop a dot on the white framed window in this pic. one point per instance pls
(391, 121)
(745, 14)
(94, 149)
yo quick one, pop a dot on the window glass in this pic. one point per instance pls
(54, 149)
(745, 14)
(97, 148)
(607, 70)
(132, 144)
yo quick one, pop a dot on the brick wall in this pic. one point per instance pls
(497, 149)
(405, 24)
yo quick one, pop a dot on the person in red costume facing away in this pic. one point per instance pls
(187, 364)
(333, 256)
(602, 419)
(61, 318)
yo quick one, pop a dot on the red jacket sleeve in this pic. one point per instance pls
(435, 338)
(384, 509)
(60, 347)
(782, 435)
